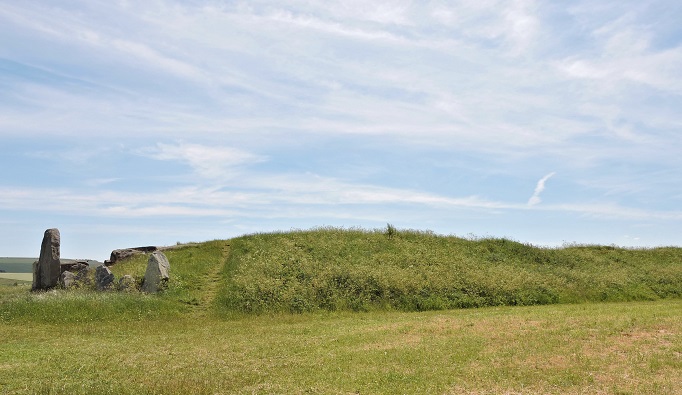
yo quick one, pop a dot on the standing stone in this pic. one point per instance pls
(68, 279)
(127, 283)
(157, 273)
(46, 270)
(83, 276)
(104, 278)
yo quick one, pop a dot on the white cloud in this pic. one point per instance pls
(149, 57)
(293, 197)
(627, 55)
(523, 26)
(207, 161)
(539, 188)
(496, 84)
(332, 68)
(97, 182)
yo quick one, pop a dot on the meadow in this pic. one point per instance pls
(333, 311)
(15, 271)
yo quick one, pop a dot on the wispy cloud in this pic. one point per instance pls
(342, 67)
(293, 197)
(269, 108)
(539, 188)
(207, 161)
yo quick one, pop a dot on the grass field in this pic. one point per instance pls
(612, 348)
(17, 276)
(198, 338)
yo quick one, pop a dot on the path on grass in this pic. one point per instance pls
(213, 280)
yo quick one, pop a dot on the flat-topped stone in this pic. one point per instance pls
(124, 253)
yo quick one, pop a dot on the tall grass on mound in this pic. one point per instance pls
(336, 269)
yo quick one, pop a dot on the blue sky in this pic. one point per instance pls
(138, 123)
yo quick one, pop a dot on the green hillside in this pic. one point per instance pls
(17, 265)
(225, 325)
(359, 270)
(334, 269)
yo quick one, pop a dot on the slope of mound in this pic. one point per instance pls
(336, 269)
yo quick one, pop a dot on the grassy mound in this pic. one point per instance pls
(335, 269)
(85, 342)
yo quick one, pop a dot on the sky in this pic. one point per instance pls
(126, 123)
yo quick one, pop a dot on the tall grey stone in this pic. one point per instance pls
(68, 279)
(46, 270)
(157, 274)
(104, 278)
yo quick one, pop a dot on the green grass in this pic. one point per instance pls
(614, 348)
(335, 269)
(194, 271)
(611, 322)
(17, 277)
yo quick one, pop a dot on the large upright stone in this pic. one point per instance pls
(104, 278)
(46, 270)
(157, 274)
(68, 280)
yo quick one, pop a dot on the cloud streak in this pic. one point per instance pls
(300, 197)
(539, 188)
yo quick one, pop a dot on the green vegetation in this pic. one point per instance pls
(4, 282)
(224, 324)
(334, 269)
(615, 348)
(195, 271)
(17, 276)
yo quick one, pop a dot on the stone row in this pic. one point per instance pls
(49, 272)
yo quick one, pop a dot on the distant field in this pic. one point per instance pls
(14, 271)
(25, 265)
(17, 265)
(17, 276)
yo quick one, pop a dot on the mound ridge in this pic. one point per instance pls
(340, 269)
